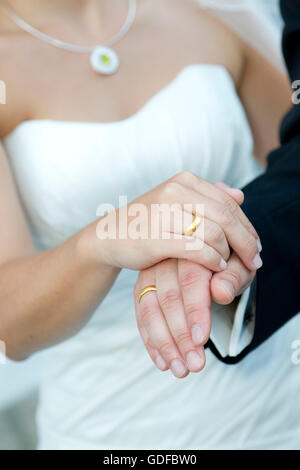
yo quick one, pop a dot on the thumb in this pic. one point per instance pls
(231, 282)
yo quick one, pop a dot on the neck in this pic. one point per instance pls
(62, 6)
(94, 15)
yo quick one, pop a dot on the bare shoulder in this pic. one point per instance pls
(265, 92)
(12, 75)
(228, 45)
(217, 42)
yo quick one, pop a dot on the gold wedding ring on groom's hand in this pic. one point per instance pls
(188, 232)
(194, 225)
(145, 290)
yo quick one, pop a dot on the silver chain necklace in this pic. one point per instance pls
(102, 58)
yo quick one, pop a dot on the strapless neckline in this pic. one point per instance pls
(187, 69)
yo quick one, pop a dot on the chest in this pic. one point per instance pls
(60, 85)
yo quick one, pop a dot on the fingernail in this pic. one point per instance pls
(222, 185)
(160, 362)
(257, 262)
(178, 368)
(259, 245)
(223, 264)
(197, 335)
(228, 287)
(239, 191)
(194, 361)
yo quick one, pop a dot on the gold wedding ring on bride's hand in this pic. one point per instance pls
(145, 290)
(194, 225)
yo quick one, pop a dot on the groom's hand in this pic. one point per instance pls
(231, 282)
(175, 321)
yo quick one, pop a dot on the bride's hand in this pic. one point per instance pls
(222, 224)
(175, 321)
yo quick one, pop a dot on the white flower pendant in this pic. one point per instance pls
(104, 60)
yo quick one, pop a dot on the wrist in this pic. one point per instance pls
(93, 252)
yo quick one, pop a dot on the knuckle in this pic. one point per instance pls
(184, 176)
(235, 278)
(211, 257)
(149, 347)
(226, 216)
(169, 298)
(189, 279)
(147, 313)
(250, 245)
(165, 349)
(192, 310)
(182, 338)
(171, 189)
(248, 225)
(216, 234)
(231, 205)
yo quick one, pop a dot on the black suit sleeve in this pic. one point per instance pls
(272, 203)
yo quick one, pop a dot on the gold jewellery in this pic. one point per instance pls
(194, 225)
(188, 232)
(145, 290)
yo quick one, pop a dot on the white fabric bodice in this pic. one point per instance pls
(100, 389)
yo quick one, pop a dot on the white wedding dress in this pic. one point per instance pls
(100, 390)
